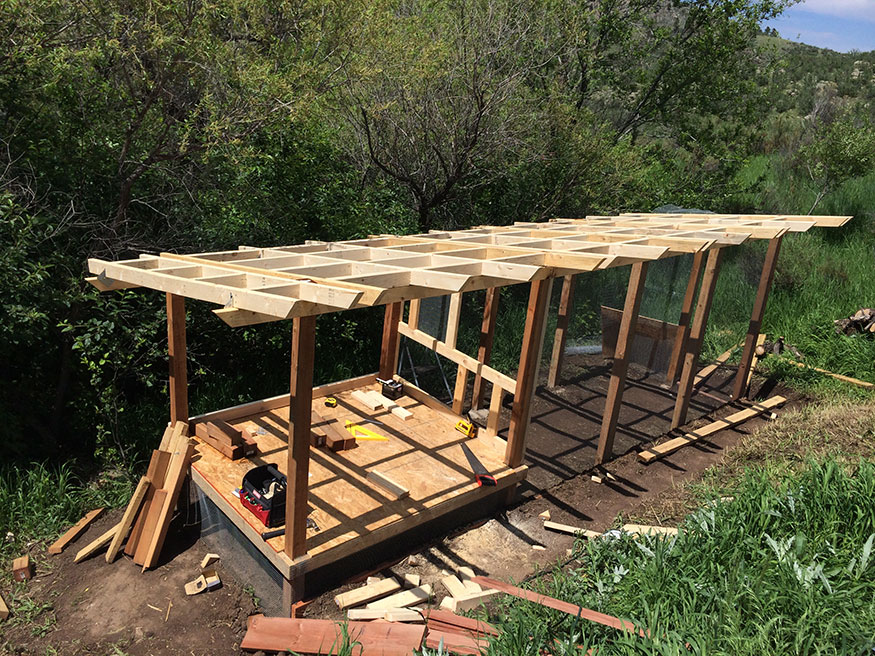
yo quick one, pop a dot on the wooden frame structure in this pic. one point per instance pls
(257, 285)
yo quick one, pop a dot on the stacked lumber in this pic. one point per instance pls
(456, 634)
(146, 519)
(862, 321)
(373, 401)
(465, 593)
(325, 432)
(233, 443)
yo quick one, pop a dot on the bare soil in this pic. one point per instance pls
(100, 608)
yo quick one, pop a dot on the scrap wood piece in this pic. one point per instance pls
(388, 614)
(403, 599)
(456, 643)
(365, 398)
(841, 377)
(22, 570)
(172, 433)
(209, 559)
(446, 621)
(392, 406)
(469, 601)
(734, 419)
(393, 487)
(4, 609)
(367, 593)
(96, 545)
(573, 530)
(706, 372)
(557, 604)
(334, 438)
(641, 529)
(206, 432)
(155, 473)
(311, 636)
(128, 518)
(761, 338)
(454, 586)
(74, 531)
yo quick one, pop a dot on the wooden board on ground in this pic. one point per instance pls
(96, 545)
(573, 530)
(308, 636)
(641, 529)
(74, 531)
(366, 593)
(841, 377)
(467, 602)
(734, 419)
(403, 599)
(455, 643)
(705, 372)
(22, 570)
(4, 609)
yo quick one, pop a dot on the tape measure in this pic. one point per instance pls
(466, 428)
(330, 402)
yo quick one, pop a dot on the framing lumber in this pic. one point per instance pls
(453, 315)
(557, 604)
(413, 313)
(487, 335)
(660, 450)
(566, 307)
(573, 530)
(459, 390)
(177, 358)
(617, 384)
(367, 593)
(494, 415)
(845, 379)
(95, 546)
(404, 599)
(697, 335)
(706, 372)
(539, 296)
(742, 380)
(471, 364)
(683, 334)
(383, 481)
(642, 529)
(389, 348)
(127, 520)
(74, 531)
(300, 408)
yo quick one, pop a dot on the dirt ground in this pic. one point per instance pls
(114, 609)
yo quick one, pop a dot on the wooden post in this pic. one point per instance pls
(756, 318)
(389, 349)
(413, 313)
(697, 335)
(528, 371)
(177, 358)
(459, 391)
(566, 306)
(683, 332)
(487, 334)
(453, 316)
(494, 410)
(300, 407)
(625, 337)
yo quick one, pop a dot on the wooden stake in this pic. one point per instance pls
(487, 334)
(617, 384)
(566, 306)
(683, 332)
(739, 389)
(300, 406)
(697, 335)
(177, 357)
(389, 350)
(528, 371)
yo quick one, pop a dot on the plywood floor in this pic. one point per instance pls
(423, 454)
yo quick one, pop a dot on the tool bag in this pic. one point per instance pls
(263, 493)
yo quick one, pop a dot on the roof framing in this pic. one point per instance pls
(254, 285)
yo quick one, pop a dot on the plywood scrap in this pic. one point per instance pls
(641, 529)
(22, 570)
(573, 530)
(366, 593)
(394, 488)
(403, 599)
(74, 531)
(734, 419)
(4, 609)
(558, 604)
(128, 518)
(96, 545)
(311, 636)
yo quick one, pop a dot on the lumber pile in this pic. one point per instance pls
(231, 442)
(861, 322)
(660, 450)
(146, 519)
(325, 432)
(373, 400)
(465, 594)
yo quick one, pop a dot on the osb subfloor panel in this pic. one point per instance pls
(422, 454)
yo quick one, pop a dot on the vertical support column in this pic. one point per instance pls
(494, 410)
(487, 335)
(453, 316)
(413, 313)
(697, 336)
(566, 306)
(177, 358)
(683, 333)
(742, 377)
(389, 349)
(300, 407)
(625, 337)
(528, 371)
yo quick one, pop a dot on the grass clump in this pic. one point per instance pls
(786, 567)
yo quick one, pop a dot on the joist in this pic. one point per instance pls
(312, 636)
(471, 364)
(367, 593)
(96, 545)
(74, 531)
(405, 598)
(394, 488)
(670, 446)
(557, 604)
(572, 530)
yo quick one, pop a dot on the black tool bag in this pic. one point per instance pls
(263, 493)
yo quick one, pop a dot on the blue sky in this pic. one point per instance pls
(841, 25)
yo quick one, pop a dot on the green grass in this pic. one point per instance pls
(787, 567)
